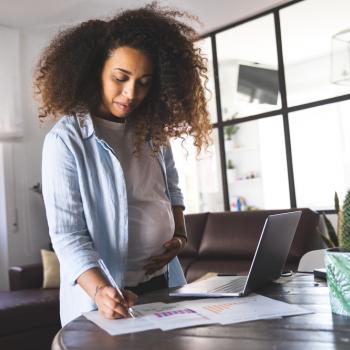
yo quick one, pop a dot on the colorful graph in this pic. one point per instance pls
(219, 308)
(174, 312)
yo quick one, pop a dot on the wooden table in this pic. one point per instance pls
(320, 330)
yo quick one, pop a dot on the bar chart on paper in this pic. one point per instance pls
(173, 313)
(219, 308)
(178, 318)
(250, 308)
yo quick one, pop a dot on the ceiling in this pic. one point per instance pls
(27, 14)
(309, 38)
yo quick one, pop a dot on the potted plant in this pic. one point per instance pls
(230, 130)
(331, 239)
(231, 171)
(337, 261)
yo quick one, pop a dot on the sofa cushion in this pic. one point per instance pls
(51, 268)
(195, 224)
(26, 277)
(29, 309)
(236, 235)
(231, 235)
(186, 262)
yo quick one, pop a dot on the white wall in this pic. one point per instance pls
(10, 112)
(10, 129)
(3, 227)
(26, 229)
(32, 229)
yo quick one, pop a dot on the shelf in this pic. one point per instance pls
(241, 149)
(255, 179)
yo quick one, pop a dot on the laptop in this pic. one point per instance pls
(269, 258)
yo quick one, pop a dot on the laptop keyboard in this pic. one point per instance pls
(233, 286)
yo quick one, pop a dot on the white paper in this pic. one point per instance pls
(197, 312)
(129, 325)
(251, 308)
(122, 325)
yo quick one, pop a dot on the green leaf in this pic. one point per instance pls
(331, 231)
(336, 202)
(327, 241)
(345, 230)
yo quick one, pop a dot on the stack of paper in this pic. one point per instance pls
(197, 312)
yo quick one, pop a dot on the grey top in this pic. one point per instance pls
(150, 216)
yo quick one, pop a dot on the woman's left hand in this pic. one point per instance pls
(172, 248)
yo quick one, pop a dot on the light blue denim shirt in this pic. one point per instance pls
(86, 206)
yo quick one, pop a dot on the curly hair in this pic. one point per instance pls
(67, 78)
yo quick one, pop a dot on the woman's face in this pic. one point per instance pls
(126, 80)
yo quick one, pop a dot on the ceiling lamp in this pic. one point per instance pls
(340, 57)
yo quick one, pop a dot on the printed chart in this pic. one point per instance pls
(173, 313)
(219, 308)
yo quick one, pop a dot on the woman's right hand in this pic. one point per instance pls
(111, 304)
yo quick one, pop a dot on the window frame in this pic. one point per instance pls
(283, 112)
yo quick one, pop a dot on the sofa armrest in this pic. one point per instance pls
(26, 277)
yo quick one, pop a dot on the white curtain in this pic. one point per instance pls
(10, 88)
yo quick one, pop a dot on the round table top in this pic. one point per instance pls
(318, 330)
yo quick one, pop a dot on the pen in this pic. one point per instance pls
(114, 285)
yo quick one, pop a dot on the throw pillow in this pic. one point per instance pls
(51, 267)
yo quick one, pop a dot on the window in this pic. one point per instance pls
(256, 165)
(321, 154)
(199, 177)
(280, 112)
(307, 48)
(248, 75)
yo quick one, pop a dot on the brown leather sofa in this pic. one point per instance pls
(225, 242)
(217, 242)
(29, 315)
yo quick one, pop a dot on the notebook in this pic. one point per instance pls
(269, 258)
